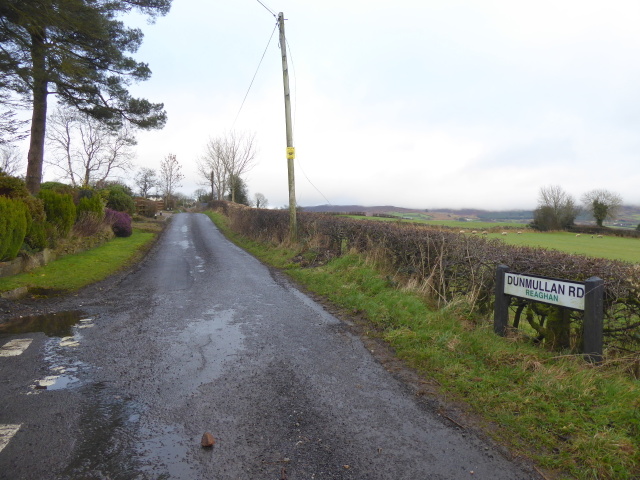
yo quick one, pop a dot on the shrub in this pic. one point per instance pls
(120, 222)
(37, 238)
(13, 227)
(118, 198)
(61, 188)
(90, 206)
(60, 211)
(12, 187)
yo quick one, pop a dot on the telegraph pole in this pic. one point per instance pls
(291, 152)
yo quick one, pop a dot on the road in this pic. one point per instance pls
(202, 337)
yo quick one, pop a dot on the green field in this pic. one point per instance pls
(445, 223)
(609, 246)
(474, 225)
(614, 248)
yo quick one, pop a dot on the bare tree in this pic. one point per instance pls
(170, 177)
(10, 160)
(145, 180)
(556, 209)
(260, 200)
(212, 168)
(201, 195)
(226, 157)
(86, 150)
(239, 158)
(602, 204)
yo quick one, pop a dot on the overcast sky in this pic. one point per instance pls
(420, 104)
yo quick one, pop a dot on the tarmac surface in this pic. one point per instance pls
(202, 337)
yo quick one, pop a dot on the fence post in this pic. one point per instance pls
(501, 304)
(593, 319)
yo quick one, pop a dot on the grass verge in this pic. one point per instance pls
(75, 271)
(574, 419)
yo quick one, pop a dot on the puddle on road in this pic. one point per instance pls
(203, 349)
(109, 423)
(59, 324)
(64, 330)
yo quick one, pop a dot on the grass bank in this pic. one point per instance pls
(75, 271)
(573, 419)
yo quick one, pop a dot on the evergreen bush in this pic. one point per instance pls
(60, 211)
(37, 239)
(118, 198)
(15, 188)
(92, 206)
(57, 187)
(12, 187)
(13, 227)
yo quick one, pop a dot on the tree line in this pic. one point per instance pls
(558, 210)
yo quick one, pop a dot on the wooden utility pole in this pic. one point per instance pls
(291, 153)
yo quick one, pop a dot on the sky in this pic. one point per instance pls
(417, 104)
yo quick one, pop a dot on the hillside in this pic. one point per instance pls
(464, 214)
(628, 217)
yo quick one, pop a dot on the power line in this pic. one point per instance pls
(317, 189)
(295, 109)
(268, 9)
(254, 75)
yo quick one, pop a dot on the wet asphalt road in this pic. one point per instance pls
(203, 337)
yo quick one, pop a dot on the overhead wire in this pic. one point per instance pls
(255, 74)
(268, 9)
(295, 108)
(294, 95)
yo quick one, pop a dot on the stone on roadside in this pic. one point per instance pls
(207, 440)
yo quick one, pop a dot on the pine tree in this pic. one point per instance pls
(77, 50)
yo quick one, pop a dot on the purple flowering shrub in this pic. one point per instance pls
(120, 222)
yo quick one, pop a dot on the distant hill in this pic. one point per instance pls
(629, 215)
(462, 214)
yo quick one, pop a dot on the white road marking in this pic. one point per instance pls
(15, 347)
(6, 433)
(46, 381)
(69, 342)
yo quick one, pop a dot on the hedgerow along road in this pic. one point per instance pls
(202, 337)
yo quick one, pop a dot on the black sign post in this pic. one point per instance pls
(593, 319)
(501, 306)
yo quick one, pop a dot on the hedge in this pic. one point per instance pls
(448, 264)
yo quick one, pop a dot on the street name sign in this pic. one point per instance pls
(546, 290)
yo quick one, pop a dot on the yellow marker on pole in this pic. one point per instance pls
(291, 153)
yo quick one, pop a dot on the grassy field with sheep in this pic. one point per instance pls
(614, 248)
(606, 246)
